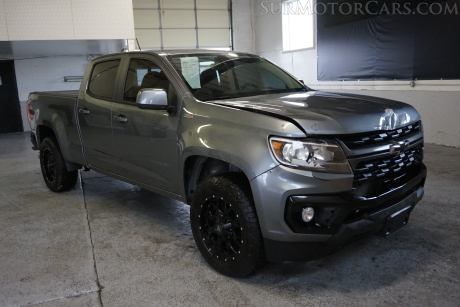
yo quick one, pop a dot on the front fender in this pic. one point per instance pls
(235, 136)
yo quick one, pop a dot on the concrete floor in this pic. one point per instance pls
(113, 244)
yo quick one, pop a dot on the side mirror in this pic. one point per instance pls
(153, 99)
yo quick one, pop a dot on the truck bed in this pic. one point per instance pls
(56, 110)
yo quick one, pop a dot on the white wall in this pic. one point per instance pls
(438, 102)
(46, 74)
(269, 44)
(243, 28)
(66, 19)
(3, 30)
(103, 19)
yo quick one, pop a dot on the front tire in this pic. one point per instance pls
(225, 225)
(54, 170)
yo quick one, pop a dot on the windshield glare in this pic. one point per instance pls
(225, 76)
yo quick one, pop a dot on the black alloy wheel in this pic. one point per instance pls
(225, 225)
(221, 228)
(54, 169)
(49, 167)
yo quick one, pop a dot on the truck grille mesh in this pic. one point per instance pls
(391, 168)
(357, 141)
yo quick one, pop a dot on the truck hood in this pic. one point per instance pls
(320, 112)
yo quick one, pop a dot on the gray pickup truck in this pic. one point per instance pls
(272, 170)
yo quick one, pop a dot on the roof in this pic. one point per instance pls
(179, 51)
(187, 51)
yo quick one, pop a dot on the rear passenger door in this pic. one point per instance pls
(146, 148)
(95, 113)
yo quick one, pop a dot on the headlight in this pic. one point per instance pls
(310, 154)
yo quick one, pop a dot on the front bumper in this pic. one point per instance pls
(355, 218)
(373, 222)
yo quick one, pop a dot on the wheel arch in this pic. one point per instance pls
(198, 168)
(43, 131)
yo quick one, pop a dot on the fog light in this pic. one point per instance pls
(307, 214)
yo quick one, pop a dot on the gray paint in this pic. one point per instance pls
(271, 190)
(331, 113)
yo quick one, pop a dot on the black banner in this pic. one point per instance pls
(388, 40)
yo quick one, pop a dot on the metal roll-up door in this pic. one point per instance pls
(180, 24)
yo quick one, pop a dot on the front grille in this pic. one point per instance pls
(390, 168)
(370, 138)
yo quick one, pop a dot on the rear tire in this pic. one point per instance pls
(225, 225)
(54, 170)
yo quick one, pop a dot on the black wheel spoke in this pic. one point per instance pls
(49, 166)
(220, 228)
(230, 247)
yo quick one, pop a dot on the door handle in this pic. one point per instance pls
(121, 118)
(84, 111)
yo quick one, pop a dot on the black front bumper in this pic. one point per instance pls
(355, 218)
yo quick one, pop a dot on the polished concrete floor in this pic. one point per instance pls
(108, 243)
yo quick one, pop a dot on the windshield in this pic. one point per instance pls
(224, 76)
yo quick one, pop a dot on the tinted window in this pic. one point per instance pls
(102, 81)
(223, 76)
(146, 74)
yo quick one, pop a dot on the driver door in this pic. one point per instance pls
(146, 148)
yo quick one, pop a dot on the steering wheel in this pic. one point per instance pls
(244, 86)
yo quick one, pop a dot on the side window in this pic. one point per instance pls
(103, 77)
(146, 74)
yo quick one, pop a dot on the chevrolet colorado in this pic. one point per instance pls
(272, 170)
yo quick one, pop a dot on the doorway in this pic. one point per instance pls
(10, 108)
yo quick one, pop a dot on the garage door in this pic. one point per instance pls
(164, 24)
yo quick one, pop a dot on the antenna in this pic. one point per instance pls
(138, 45)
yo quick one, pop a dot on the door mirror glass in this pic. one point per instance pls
(153, 99)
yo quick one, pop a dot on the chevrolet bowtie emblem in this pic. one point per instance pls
(398, 147)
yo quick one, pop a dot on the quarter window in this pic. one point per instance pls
(103, 77)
